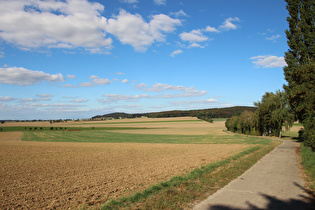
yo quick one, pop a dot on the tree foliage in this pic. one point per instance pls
(272, 114)
(300, 70)
(206, 116)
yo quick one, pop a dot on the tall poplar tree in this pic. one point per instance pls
(300, 70)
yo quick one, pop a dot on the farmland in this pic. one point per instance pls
(89, 163)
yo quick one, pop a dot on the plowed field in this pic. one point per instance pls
(48, 175)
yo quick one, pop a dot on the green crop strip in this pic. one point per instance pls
(103, 136)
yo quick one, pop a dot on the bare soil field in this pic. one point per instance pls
(48, 175)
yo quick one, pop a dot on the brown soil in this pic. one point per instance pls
(48, 175)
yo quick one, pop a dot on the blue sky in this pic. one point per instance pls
(79, 58)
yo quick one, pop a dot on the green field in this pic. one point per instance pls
(103, 136)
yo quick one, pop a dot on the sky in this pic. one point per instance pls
(74, 59)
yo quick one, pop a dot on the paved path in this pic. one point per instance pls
(272, 183)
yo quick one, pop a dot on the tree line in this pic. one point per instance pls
(273, 112)
(209, 113)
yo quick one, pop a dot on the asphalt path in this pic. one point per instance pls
(274, 182)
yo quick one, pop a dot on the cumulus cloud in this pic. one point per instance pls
(23, 77)
(125, 81)
(176, 52)
(228, 24)
(86, 84)
(79, 100)
(6, 98)
(53, 24)
(194, 45)
(211, 29)
(134, 30)
(193, 36)
(116, 97)
(71, 76)
(96, 80)
(273, 37)
(179, 13)
(129, 1)
(160, 2)
(102, 81)
(159, 87)
(44, 95)
(268, 61)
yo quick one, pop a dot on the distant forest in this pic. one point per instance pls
(213, 113)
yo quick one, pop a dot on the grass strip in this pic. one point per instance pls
(180, 191)
(308, 161)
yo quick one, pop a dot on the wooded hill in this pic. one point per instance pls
(214, 113)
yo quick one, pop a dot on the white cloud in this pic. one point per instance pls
(79, 100)
(160, 2)
(93, 77)
(103, 81)
(193, 36)
(129, 1)
(228, 25)
(120, 73)
(195, 45)
(140, 86)
(53, 24)
(125, 81)
(159, 87)
(269, 61)
(116, 97)
(132, 29)
(176, 52)
(179, 13)
(193, 102)
(6, 98)
(71, 76)
(86, 84)
(23, 77)
(211, 29)
(44, 95)
(273, 37)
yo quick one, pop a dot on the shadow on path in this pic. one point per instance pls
(305, 203)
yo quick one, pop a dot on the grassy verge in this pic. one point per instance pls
(308, 161)
(180, 192)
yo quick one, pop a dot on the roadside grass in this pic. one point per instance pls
(103, 136)
(308, 161)
(182, 191)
